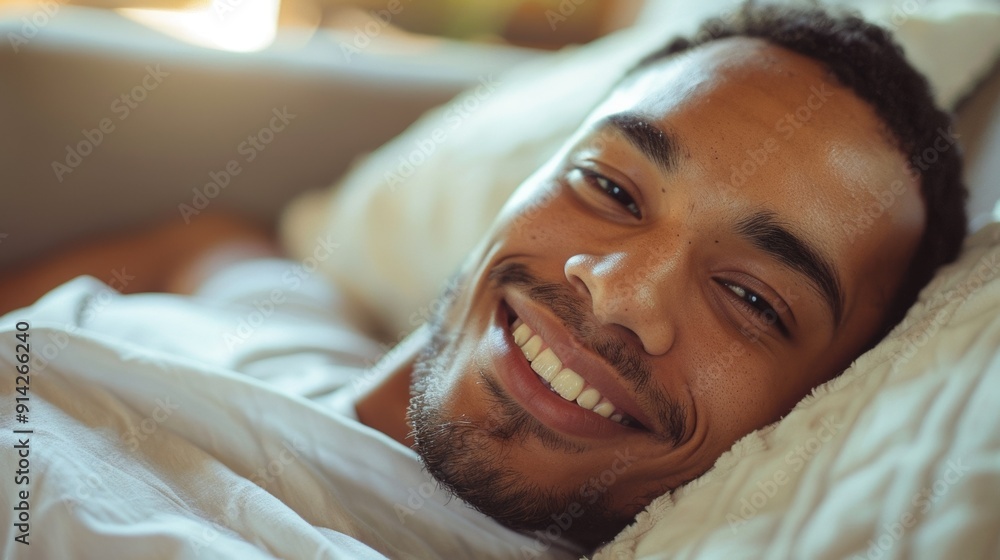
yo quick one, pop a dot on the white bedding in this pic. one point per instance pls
(147, 443)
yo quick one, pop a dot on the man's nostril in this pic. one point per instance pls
(579, 285)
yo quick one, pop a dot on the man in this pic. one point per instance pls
(691, 220)
(740, 219)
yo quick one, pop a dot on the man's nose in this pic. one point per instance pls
(629, 292)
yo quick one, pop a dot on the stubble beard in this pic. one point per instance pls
(469, 457)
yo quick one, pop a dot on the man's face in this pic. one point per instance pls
(704, 251)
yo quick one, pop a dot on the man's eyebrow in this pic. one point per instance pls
(765, 232)
(659, 146)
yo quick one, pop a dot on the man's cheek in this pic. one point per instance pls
(527, 212)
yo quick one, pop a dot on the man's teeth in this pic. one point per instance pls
(565, 382)
(547, 365)
(568, 384)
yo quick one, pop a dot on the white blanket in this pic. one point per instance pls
(140, 446)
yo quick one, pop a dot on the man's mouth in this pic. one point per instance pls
(562, 380)
(556, 377)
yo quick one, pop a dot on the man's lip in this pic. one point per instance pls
(594, 370)
(525, 387)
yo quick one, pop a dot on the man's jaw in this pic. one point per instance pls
(555, 378)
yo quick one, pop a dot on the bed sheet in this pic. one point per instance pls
(136, 449)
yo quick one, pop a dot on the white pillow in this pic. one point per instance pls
(899, 457)
(407, 215)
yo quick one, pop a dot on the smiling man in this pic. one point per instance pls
(742, 217)
(735, 224)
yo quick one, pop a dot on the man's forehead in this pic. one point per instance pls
(732, 65)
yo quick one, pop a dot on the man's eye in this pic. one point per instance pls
(757, 305)
(608, 187)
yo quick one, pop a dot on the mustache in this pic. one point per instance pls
(576, 317)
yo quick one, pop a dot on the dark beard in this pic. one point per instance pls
(469, 459)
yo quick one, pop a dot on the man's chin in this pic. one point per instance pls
(476, 458)
(481, 446)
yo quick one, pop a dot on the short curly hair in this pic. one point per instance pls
(866, 59)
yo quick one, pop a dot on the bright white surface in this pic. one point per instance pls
(231, 25)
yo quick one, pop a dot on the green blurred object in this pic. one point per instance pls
(470, 20)
(536, 23)
(459, 19)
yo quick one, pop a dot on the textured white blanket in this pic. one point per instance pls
(147, 438)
